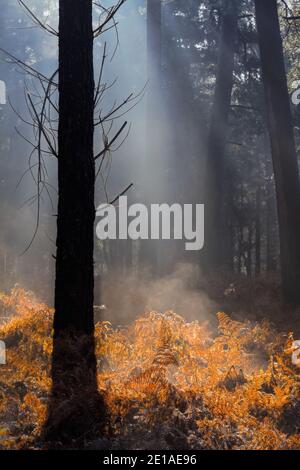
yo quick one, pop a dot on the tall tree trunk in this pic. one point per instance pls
(218, 134)
(70, 415)
(282, 144)
(76, 169)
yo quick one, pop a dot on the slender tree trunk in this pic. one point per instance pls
(258, 233)
(218, 134)
(272, 235)
(76, 169)
(240, 248)
(231, 254)
(282, 144)
(153, 182)
(154, 44)
(271, 231)
(249, 251)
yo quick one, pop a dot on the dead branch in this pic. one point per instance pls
(37, 21)
(109, 144)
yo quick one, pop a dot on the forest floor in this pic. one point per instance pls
(167, 383)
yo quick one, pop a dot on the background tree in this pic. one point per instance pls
(218, 135)
(282, 144)
(152, 162)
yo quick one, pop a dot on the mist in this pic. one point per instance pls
(127, 297)
(144, 155)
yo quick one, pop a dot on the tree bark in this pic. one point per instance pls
(282, 144)
(76, 170)
(218, 134)
(75, 407)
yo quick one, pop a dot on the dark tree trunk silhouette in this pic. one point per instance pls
(74, 363)
(76, 170)
(218, 134)
(282, 144)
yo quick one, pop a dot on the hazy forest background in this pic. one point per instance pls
(174, 137)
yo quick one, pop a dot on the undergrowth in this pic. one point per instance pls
(166, 383)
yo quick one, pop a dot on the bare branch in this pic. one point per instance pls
(109, 144)
(121, 194)
(28, 69)
(110, 14)
(36, 20)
